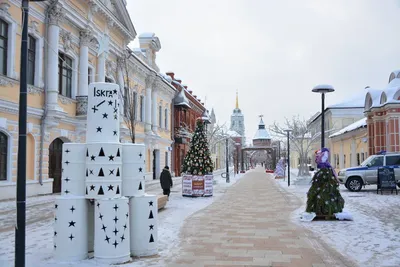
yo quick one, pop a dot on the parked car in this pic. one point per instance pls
(367, 173)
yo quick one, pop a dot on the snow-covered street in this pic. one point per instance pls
(372, 239)
(39, 241)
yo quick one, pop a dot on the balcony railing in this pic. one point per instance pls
(81, 105)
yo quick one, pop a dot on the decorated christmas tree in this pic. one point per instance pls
(323, 197)
(197, 160)
(280, 169)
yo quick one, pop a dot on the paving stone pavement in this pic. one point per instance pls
(250, 226)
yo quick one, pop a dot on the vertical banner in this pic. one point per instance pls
(187, 185)
(208, 185)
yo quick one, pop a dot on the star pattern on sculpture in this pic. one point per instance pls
(56, 206)
(110, 187)
(94, 108)
(115, 231)
(105, 116)
(115, 117)
(92, 158)
(127, 215)
(125, 226)
(111, 172)
(115, 219)
(140, 155)
(151, 227)
(67, 162)
(55, 233)
(115, 110)
(72, 209)
(99, 129)
(115, 207)
(104, 228)
(92, 187)
(72, 223)
(107, 239)
(122, 238)
(67, 179)
(140, 169)
(110, 103)
(91, 172)
(66, 191)
(115, 244)
(101, 216)
(98, 204)
(71, 237)
(115, 91)
(115, 132)
(111, 158)
(67, 151)
(150, 203)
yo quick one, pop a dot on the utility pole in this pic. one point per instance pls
(227, 160)
(21, 170)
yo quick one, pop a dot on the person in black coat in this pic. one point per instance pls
(166, 181)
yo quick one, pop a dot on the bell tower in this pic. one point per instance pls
(237, 120)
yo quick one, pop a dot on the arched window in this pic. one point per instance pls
(3, 156)
(166, 119)
(31, 59)
(64, 75)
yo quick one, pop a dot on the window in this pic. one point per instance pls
(160, 116)
(141, 108)
(3, 156)
(166, 119)
(3, 46)
(89, 72)
(64, 75)
(393, 160)
(344, 160)
(376, 162)
(358, 159)
(31, 59)
(166, 158)
(362, 157)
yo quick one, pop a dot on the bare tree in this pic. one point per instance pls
(301, 139)
(215, 133)
(129, 100)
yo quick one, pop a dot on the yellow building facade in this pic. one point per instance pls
(71, 44)
(349, 146)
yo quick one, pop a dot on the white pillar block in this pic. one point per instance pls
(112, 236)
(133, 169)
(70, 228)
(103, 113)
(73, 169)
(144, 236)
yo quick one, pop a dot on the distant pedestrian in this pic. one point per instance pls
(166, 181)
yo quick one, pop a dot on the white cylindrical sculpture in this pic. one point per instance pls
(133, 169)
(70, 228)
(103, 170)
(112, 236)
(144, 237)
(103, 113)
(73, 169)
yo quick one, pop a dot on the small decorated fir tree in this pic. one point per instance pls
(280, 169)
(323, 197)
(197, 160)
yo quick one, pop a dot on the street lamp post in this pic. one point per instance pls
(227, 160)
(288, 156)
(323, 89)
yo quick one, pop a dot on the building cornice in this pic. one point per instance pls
(13, 108)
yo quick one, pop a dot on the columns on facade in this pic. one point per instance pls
(148, 116)
(121, 70)
(341, 156)
(85, 38)
(154, 108)
(101, 67)
(55, 15)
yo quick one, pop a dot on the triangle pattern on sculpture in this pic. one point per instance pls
(140, 186)
(151, 215)
(101, 153)
(87, 152)
(87, 172)
(101, 173)
(151, 239)
(118, 154)
(117, 173)
(117, 190)
(86, 190)
(101, 192)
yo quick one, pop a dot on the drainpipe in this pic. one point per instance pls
(172, 135)
(45, 111)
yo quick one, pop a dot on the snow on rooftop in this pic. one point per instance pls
(356, 101)
(352, 127)
(147, 35)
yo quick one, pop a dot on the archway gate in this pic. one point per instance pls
(269, 149)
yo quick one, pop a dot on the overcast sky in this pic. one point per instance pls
(273, 51)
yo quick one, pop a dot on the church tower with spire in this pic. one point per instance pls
(237, 121)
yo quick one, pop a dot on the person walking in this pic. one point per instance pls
(166, 181)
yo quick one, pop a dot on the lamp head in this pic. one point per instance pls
(323, 89)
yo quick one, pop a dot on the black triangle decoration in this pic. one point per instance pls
(101, 154)
(118, 154)
(118, 173)
(140, 186)
(117, 190)
(86, 190)
(101, 173)
(87, 152)
(151, 215)
(87, 172)
(151, 239)
(101, 192)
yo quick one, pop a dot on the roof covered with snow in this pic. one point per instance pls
(352, 127)
(262, 133)
(355, 101)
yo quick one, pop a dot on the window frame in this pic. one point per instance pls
(11, 47)
(6, 46)
(160, 116)
(166, 118)
(141, 104)
(62, 59)
(4, 136)
(32, 50)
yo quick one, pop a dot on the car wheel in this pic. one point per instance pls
(354, 184)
